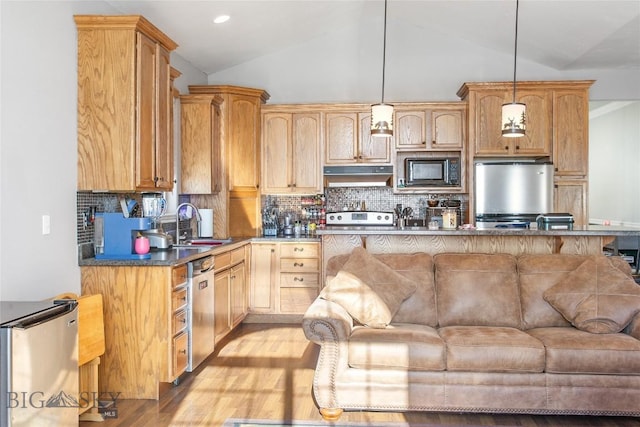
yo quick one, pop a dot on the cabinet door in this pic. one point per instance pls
(488, 113)
(446, 129)
(222, 319)
(571, 133)
(571, 197)
(164, 137)
(276, 153)
(371, 149)
(410, 130)
(306, 158)
(145, 113)
(197, 145)
(263, 278)
(238, 294)
(244, 134)
(341, 132)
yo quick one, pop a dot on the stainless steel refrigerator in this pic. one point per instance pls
(38, 363)
(512, 194)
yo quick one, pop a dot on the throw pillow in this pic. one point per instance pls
(360, 301)
(390, 288)
(596, 297)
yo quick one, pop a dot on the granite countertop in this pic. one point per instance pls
(589, 230)
(184, 254)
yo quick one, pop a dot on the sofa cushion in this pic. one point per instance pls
(596, 297)
(572, 351)
(399, 346)
(420, 307)
(368, 289)
(477, 290)
(492, 349)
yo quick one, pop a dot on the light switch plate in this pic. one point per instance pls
(46, 224)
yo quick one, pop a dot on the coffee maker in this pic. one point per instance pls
(154, 205)
(115, 235)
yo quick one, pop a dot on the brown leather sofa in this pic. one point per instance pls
(478, 334)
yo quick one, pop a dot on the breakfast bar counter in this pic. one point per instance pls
(337, 240)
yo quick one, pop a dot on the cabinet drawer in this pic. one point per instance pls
(179, 321)
(299, 250)
(296, 300)
(178, 299)
(179, 276)
(222, 261)
(299, 280)
(299, 265)
(237, 256)
(180, 343)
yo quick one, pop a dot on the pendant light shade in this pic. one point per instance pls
(382, 114)
(382, 120)
(514, 116)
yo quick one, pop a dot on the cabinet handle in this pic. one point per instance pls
(298, 249)
(298, 279)
(233, 277)
(184, 320)
(506, 147)
(183, 351)
(424, 142)
(293, 185)
(273, 250)
(298, 264)
(517, 147)
(433, 142)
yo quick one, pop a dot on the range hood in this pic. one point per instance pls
(358, 176)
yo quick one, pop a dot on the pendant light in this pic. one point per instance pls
(382, 114)
(514, 114)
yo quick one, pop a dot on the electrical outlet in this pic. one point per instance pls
(46, 224)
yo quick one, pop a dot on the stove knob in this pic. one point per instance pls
(331, 217)
(379, 217)
(339, 217)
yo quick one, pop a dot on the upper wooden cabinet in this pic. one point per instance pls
(571, 132)
(237, 204)
(485, 127)
(348, 139)
(430, 127)
(201, 160)
(291, 156)
(124, 104)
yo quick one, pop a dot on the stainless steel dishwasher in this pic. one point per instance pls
(200, 316)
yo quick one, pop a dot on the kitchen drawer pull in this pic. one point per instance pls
(183, 351)
(298, 279)
(298, 264)
(298, 249)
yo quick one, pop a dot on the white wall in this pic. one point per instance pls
(337, 67)
(614, 166)
(38, 145)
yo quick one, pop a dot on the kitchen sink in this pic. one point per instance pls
(201, 243)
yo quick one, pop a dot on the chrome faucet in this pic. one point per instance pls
(198, 219)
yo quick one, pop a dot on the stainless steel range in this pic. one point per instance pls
(360, 218)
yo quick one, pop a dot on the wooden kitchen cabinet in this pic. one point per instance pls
(124, 104)
(230, 289)
(263, 277)
(285, 277)
(201, 157)
(237, 204)
(430, 127)
(291, 152)
(557, 129)
(145, 326)
(485, 127)
(348, 139)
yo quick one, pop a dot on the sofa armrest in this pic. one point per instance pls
(633, 328)
(326, 321)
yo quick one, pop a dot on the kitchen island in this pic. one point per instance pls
(584, 240)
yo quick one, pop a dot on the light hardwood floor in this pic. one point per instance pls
(266, 372)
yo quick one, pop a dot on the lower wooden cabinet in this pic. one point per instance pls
(145, 328)
(230, 290)
(285, 277)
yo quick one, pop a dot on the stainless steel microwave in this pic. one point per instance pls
(432, 172)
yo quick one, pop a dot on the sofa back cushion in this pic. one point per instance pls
(539, 272)
(420, 307)
(477, 290)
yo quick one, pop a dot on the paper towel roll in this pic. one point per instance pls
(206, 225)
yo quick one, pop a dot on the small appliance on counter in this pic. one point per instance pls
(115, 235)
(555, 221)
(154, 205)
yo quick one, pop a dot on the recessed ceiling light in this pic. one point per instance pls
(220, 19)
